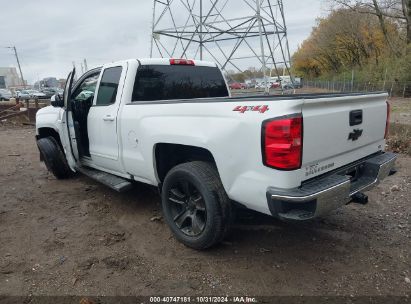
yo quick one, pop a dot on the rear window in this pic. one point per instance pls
(168, 82)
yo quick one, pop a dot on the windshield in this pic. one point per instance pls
(170, 82)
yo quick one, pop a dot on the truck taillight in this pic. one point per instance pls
(282, 143)
(387, 124)
(181, 62)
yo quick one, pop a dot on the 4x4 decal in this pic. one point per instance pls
(243, 109)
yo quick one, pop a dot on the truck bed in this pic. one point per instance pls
(259, 97)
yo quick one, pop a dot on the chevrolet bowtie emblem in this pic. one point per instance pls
(354, 135)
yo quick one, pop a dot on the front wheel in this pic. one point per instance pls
(195, 205)
(54, 157)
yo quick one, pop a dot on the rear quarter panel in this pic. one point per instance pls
(233, 138)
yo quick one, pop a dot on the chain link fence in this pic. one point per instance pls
(394, 88)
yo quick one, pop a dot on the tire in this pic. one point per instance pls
(195, 205)
(54, 157)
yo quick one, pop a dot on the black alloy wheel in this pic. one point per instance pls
(187, 208)
(195, 205)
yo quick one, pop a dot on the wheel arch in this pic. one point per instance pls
(44, 132)
(169, 155)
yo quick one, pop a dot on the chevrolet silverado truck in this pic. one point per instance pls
(173, 124)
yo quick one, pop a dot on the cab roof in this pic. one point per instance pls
(166, 61)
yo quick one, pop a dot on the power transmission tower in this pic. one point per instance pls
(236, 34)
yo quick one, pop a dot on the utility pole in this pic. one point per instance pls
(18, 63)
(85, 65)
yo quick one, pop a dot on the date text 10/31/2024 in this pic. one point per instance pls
(240, 299)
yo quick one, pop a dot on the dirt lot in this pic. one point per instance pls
(77, 237)
(401, 110)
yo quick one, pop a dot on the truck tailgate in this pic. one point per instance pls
(340, 130)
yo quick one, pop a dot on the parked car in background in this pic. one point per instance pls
(36, 94)
(236, 86)
(250, 85)
(276, 85)
(298, 82)
(49, 92)
(263, 85)
(287, 86)
(23, 94)
(5, 94)
(27, 94)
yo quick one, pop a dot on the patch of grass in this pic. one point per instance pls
(399, 138)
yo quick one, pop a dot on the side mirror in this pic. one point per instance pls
(57, 101)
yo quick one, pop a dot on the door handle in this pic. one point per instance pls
(356, 117)
(108, 118)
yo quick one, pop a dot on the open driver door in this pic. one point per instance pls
(68, 137)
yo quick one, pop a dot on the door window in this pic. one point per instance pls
(87, 88)
(107, 91)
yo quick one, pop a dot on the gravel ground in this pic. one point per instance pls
(77, 237)
(401, 110)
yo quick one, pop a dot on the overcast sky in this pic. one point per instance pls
(50, 35)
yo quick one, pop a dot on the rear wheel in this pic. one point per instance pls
(195, 205)
(54, 157)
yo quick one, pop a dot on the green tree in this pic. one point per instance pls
(343, 41)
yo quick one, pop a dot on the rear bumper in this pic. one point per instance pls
(324, 194)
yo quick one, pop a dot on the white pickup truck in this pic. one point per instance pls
(172, 123)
